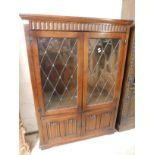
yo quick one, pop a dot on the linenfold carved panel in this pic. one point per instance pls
(58, 129)
(71, 26)
(96, 121)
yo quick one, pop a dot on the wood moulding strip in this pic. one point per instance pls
(68, 23)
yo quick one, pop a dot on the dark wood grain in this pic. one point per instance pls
(60, 126)
(126, 112)
(121, 70)
(66, 23)
(73, 19)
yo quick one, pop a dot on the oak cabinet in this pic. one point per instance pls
(76, 67)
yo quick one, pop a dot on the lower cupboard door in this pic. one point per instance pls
(61, 129)
(94, 123)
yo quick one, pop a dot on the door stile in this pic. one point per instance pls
(41, 108)
(80, 71)
(85, 70)
(121, 68)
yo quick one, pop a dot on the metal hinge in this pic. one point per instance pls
(40, 112)
(79, 109)
(125, 41)
(116, 99)
(116, 103)
(30, 39)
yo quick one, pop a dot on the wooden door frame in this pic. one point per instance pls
(35, 52)
(33, 81)
(122, 54)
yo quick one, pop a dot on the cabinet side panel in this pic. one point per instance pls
(126, 113)
(33, 79)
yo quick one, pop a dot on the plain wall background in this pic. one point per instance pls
(92, 8)
(87, 8)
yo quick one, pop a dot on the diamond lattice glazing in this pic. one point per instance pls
(102, 69)
(58, 67)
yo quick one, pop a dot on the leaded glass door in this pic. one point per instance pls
(102, 69)
(58, 67)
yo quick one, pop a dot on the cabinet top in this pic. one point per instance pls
(71, 23)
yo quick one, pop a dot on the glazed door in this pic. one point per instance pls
(103, 60)
(58, 71)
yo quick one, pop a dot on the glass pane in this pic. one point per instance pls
(102, 69)
(58, 67)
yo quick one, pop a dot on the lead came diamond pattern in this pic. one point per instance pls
(58, 67)
(102, 69)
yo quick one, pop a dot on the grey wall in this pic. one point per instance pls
(128, 9)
